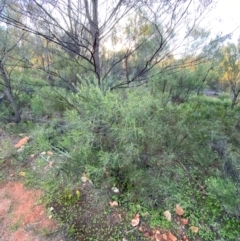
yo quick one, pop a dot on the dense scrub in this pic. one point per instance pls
(156, 152)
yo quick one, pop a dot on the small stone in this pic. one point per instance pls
(115, 190)
(184, 221)
(49, 153)
(194, 229)
(141, 229)
(84, 178)
(113, 204)
(179, 210)
(171, 237)
(167, 215)
(136, 220)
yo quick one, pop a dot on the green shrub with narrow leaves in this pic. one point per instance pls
(48, 100)
(133, 140)
(156, 152)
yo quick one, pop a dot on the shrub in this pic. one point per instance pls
(49, 101)
(157, 153)
(120, 139)
(226, 192)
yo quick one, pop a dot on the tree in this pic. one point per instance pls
(10, 58)
(86, 28)
(230, 70)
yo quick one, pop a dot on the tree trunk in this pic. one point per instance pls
(234, 100)
(127, 70)
(96, 57)
(8, 92)
(94, 30)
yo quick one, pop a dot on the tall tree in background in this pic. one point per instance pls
(86, 29)
(230, 70)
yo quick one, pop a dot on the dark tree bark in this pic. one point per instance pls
(8, 92)
(95, 37)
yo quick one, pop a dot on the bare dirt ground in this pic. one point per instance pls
(22, 218)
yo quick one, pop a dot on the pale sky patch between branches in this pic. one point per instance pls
(225, 18)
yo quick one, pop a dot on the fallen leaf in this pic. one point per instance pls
(184, 221)
(167, 215)
(22, 142)
(194, 229)
(22, 174)
(113, 204)
(171, 237)
(179, 210)
(136, 220)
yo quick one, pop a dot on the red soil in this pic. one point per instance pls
(21, 218)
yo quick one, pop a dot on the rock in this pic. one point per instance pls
(22, 142)
(113, 204)
(194, 229)
(171, 237)
(167, 215)
(179, 210)
(136, 220)
(184, 221)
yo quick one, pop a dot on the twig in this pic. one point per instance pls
(194, 179)
(132, 229)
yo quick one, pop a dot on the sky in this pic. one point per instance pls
(225, 18)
